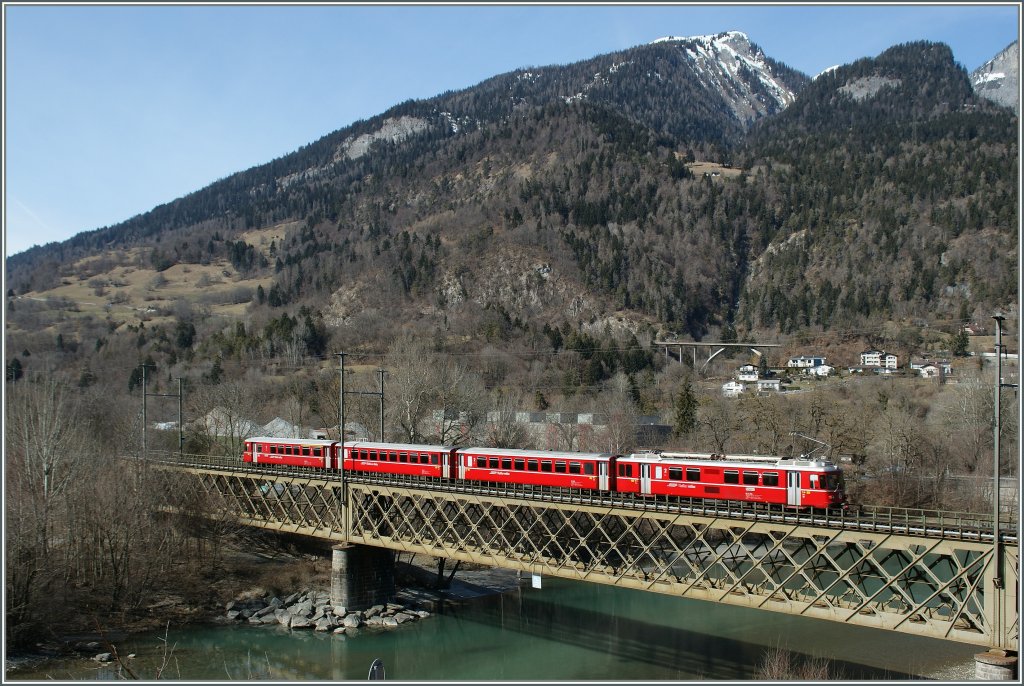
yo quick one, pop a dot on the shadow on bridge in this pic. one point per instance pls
(677, 653)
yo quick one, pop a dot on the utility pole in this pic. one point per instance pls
(380, 371)
(996, 547)
(145, 452)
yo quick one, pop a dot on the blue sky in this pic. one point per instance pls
(112, 110)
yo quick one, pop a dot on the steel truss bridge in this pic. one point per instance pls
(917, 572)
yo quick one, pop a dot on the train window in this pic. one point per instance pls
(435, 459)
(305, 451)
(532, 465)
(520, 465)
(403, 457)
(560, 466)
(588, 467)
(675, 473)
(545, 466)
(693, 474)
(494, 463)
(481, 462)
(506, 463)
(732, 476)
(372, 455)
(414, 458)
(317, 452)
(770, 479)
(576, 468)
(288, 450)
(749, 478)
(814, 480)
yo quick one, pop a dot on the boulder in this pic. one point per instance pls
(340, 630)
(285, 619)
(104, 657)
(324, 624)
(338, 611)
(302, 609)
(423, 614)
(230, 606)
(373, 611)
(290, 599)
(388, 621)
(233, 614)
(376, 620)
(352, 621)
(300, 623)
(402, 617)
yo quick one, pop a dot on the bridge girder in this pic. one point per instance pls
(923, 586)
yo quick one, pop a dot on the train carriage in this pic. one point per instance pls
(798, 483)
(297, 452)
(591, 471)
(399, 458)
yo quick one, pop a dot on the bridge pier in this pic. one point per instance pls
(361, 576)
(995, 665)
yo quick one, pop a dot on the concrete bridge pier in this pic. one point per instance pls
(361, 576)
(995, 665)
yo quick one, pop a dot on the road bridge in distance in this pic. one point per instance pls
(916, 572)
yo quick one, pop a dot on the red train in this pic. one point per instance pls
(790, 482)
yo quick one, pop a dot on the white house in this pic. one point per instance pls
(806, 362)
(878, 358)
(747, 372)
(769, 385)
(733, 389)
(930, 369)
(822, 370)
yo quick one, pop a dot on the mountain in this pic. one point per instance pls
(691, 185)
(999, 78)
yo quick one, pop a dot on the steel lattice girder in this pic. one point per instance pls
(919, 586)
(927, 587)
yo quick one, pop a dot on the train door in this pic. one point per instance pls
(793, 488)
(446, 463)
(645, 478)
(602, 476)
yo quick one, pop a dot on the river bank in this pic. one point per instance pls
(246, 576)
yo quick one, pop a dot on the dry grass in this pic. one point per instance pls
(782, 665)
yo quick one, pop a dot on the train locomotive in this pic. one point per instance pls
(800, 483)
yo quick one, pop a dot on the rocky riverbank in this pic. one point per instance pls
(289, 591)
(312, 610)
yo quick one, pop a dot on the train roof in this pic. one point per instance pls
(736, 461)
(399, 446)
(299, 441)
(558, 454)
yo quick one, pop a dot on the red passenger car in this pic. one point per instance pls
(774, 481)
(538, 467)
(298, 452)
(399, 458)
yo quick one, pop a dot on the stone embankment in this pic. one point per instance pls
(312, 610)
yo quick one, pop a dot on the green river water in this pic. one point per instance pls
(565, 631)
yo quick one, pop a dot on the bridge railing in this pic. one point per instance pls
(869, 518)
